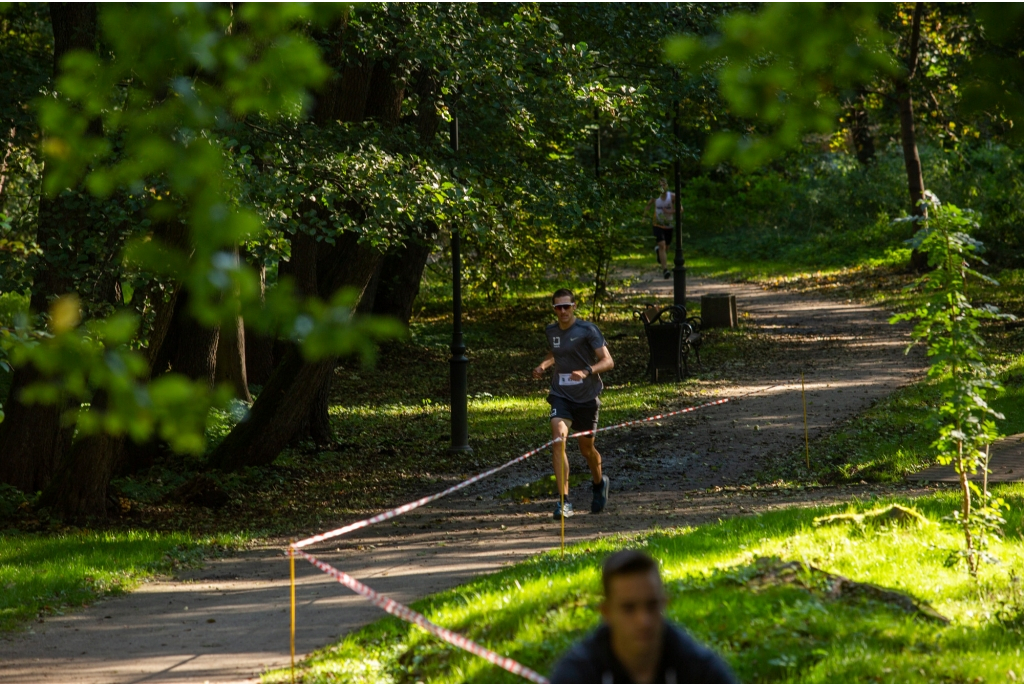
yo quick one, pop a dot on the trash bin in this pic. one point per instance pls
(718, 310)
(671, 335)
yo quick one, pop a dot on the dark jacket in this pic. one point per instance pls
(683, 660)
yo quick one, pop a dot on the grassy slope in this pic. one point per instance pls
(535, 610)
(46, 575)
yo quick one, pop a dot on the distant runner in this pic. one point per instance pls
(661, 223)
(579, 354)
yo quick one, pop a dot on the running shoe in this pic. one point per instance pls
(667, 274)
(563, 510)
(600, 495)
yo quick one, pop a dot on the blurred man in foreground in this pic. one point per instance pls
(635, 644)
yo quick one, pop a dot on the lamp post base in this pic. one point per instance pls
(679, 286)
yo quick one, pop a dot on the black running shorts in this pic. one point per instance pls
(662, 234)
(582, 415)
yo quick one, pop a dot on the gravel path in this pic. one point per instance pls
(229, 621)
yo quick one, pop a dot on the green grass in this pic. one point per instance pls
(47, 575)
(893, 438)
(533, 611)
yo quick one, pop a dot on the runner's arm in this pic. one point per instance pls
(544, 365)
(604, 363)
(650, 202)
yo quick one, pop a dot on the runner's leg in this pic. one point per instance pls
(662, 252)
(560, 429)
(592, 456)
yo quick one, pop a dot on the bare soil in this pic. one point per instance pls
(229, 621)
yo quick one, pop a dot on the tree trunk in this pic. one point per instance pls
(259, 348)
(911, 159)
(8, 149)
(285, 406)
(860, 130)
(396, 283)
(908, 134)
(400, 274)
(32, 439)
(370, 291)
(189, 348)
(79, 489)
(294, 399)
(74, 28)
(317, 425)
(231, 359)
(383, 102)
(229, 363)
(135, 456)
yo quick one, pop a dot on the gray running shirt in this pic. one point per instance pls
(574, 349)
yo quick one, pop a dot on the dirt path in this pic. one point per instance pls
(229, 621)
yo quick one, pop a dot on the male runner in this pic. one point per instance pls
(579, 354)
(661, 223)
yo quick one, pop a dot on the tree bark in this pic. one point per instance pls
(259, 348)
(860, 130)
(74, 28)
(908, 133)
(396, 282)
(285, 405)
(8, 149)
(230, 363)
(135, 456)
(32, 439)
(188, 348)
(79, 489)
(384, 100)
(400, 274)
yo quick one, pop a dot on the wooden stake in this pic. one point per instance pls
(291, 561)
(807, 439)
(561, 510)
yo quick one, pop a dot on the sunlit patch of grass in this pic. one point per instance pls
(47, 575)
(536, 609)
(894, 437)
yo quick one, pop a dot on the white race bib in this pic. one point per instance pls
(566, 379)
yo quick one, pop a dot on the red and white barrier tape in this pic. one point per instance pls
(405, 508)
(406, 614)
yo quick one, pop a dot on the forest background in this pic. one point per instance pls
(215, 218)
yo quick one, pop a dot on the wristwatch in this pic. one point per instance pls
(590, 370)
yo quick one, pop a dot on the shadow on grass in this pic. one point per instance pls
(535, 610)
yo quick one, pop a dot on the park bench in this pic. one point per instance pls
(671, 335)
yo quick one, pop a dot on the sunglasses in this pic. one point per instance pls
(563, 307)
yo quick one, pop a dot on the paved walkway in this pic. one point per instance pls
(229, 621)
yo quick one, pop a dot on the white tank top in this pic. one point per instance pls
(663, 207)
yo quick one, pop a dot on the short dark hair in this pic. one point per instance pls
(624, 563)
(563, 292)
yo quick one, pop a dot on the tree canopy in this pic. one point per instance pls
(200, 199)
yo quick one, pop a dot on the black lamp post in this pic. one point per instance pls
(457, 365)
(679, 272)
